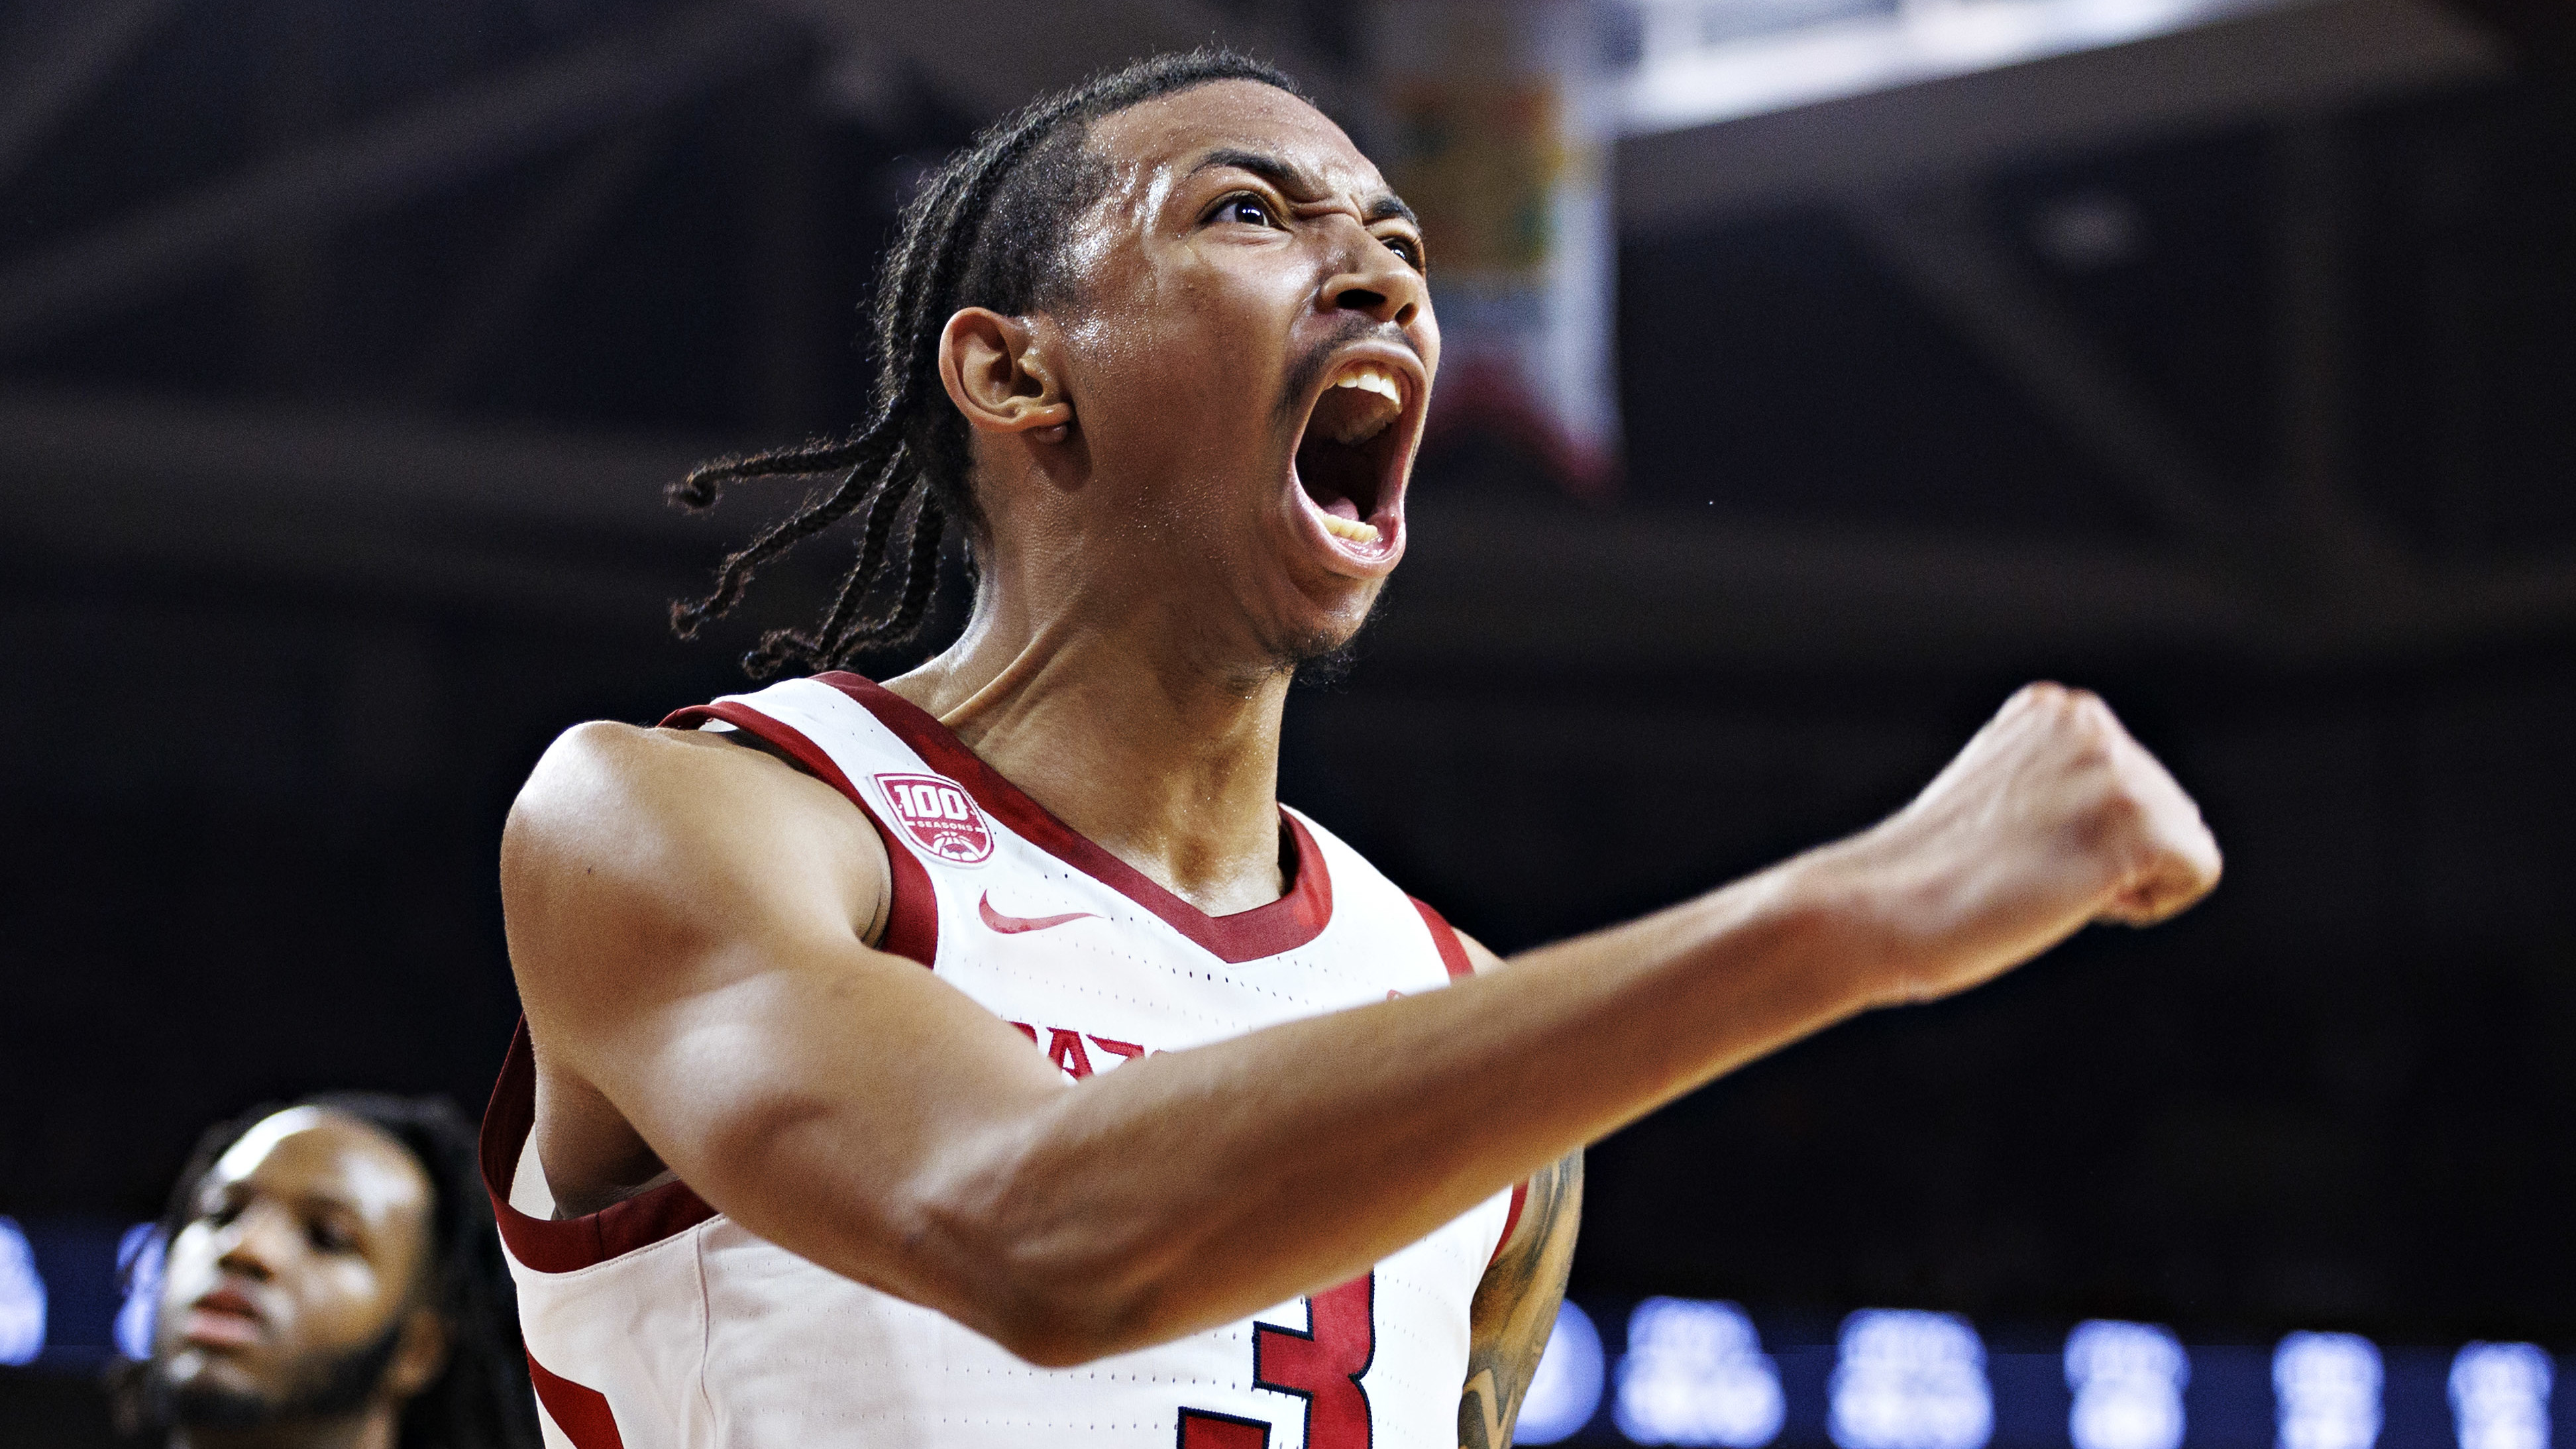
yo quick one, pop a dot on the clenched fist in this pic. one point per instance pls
(2052, 817)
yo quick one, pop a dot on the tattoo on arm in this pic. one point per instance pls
(1515, 1307)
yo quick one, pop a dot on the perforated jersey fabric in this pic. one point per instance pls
(660, 1322)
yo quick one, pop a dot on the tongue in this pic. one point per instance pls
(1343, 508)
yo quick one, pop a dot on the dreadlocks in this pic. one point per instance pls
(481, 1399)
(981, 232)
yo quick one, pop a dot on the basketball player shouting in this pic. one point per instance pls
(1180, 1138)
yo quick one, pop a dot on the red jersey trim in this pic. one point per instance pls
(1453, 955)
(912, 917)
(1283, 925)
(566, 1245)
(1453, 952)
(1511, 1220)
(578, 1409)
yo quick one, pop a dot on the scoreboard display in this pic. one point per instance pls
(1700, 1372)
(1695, 1372)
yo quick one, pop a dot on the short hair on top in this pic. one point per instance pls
(984, 230)
(481, 1399)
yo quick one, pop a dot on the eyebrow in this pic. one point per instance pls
(1291, 178)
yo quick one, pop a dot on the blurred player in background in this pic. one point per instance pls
(331, 1278)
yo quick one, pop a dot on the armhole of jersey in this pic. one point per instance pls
(1453, 956)
(565, 1245)
(1511, 1220)
(912, 915)
(1444, 937)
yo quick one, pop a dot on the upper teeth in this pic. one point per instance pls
(1361, 421)
(1375, 379)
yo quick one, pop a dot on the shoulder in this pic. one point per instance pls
(617, 814)
(604, 753)
(605, 769)
(1479, 955)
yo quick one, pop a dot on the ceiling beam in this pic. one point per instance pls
(556, 524)
(952, 45)
(2300, 58)
(2343, 544)
(1937, 245)
(468, 132)
(1489, 587)
(415, 465)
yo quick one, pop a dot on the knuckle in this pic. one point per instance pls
(2119, 816)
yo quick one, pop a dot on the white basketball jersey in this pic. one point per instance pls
(659, 1322)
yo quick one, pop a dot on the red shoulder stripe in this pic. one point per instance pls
(912, 917)
(1453, 954)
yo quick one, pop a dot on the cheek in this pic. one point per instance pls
(1173, 397)
(1229, 325)
(342, 1302)
(188, 1271)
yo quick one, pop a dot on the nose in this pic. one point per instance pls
(1376, 281)
(253, 1243)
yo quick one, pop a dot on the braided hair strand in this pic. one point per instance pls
(965, 240)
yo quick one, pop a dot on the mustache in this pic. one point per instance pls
(1309, 367)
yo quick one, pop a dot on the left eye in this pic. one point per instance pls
(1250, 210)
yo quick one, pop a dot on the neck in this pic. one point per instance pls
(370, 1428)
(1137, 732)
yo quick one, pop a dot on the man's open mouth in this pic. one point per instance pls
(1350, 461)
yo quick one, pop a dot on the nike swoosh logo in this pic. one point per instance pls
(1014, 925)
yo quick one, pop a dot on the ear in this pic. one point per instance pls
(420, 1354)
(999, 377)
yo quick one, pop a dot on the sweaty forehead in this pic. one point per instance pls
(1159, 140)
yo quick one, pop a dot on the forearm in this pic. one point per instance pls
(1192, 1187)
(866, 1115)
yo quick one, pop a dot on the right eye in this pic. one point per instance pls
(1246, 208)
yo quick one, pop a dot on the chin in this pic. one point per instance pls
(194, 1369)
(197, 1391)
(1321, 650)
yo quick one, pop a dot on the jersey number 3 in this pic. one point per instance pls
(1323, 1366)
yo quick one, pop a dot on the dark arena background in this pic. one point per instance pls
(2217, 356)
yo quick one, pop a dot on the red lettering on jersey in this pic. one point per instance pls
(1127, 1049)
(1201, 1429)
(939, 816)
(1028, 1031)
(1064, 1048)
(1324, 1364)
